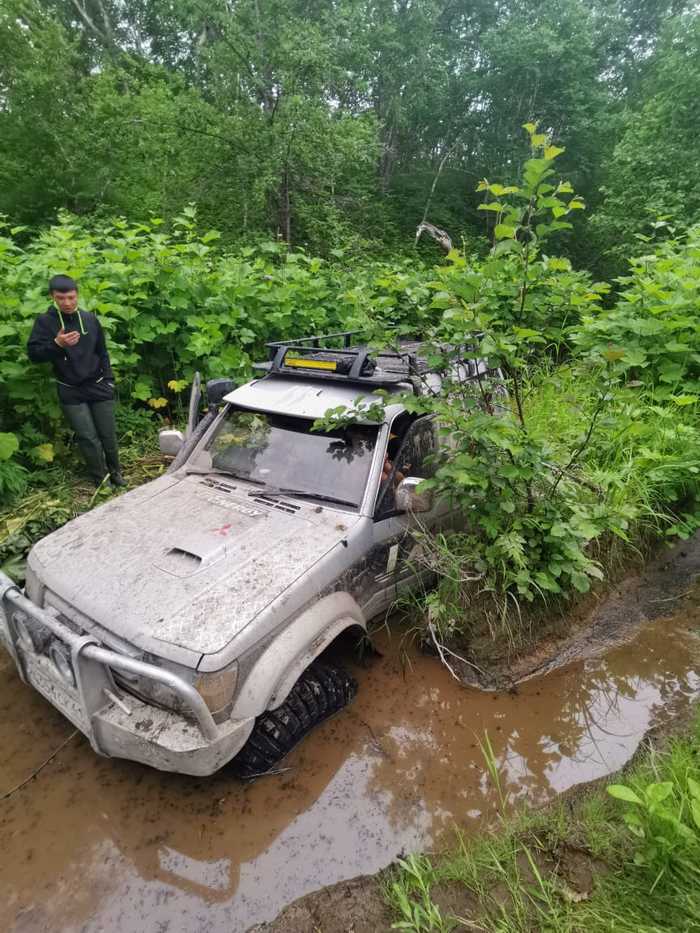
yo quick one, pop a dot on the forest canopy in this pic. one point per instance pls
(336, 123)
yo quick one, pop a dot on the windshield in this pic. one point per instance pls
(286, 455)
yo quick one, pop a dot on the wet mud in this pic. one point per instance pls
(93, 844)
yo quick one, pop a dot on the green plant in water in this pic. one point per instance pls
(486, 750)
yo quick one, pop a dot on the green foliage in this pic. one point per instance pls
(665, 818)
(332, 125)
(172, 303)
(529, 524)
(410, 896)
(652, 174)
(651, 337)
(550, 467)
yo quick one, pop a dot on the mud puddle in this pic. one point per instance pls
(93, 844)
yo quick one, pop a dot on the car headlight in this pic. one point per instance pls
(217, 689)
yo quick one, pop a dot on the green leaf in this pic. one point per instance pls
(492, 206)
(499, 190)
(612, 355)
(504, 231)
(143, 389)
(580, 581)
(530, 127)
(43, 452)
(694, 788)
(551, 152)
(9, 445)
(695, 810)
(506, 246)
(657, 793)
(622, 792)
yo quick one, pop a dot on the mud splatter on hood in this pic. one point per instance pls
(183, 562)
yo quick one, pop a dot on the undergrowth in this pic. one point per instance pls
(635, 483)
(59, 491)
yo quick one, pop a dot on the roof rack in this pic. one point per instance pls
(351, 362)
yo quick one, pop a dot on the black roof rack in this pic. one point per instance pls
(350, 362)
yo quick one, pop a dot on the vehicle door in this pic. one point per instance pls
(393, 566)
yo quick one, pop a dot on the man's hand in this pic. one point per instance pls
(69, 339)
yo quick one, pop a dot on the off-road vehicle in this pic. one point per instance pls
(181, 624)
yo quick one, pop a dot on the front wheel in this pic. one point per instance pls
(321, 691)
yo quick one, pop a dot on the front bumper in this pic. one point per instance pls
(74, 673)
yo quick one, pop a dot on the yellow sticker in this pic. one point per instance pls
(310, 364)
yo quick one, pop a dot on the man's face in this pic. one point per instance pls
(66, 302)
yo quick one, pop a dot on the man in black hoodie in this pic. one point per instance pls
(74, 342)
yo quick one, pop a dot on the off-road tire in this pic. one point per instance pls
(321, 691)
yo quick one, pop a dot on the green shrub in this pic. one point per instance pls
(172, 303)
(651, 336)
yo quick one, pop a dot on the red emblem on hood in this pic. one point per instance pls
(223, 531)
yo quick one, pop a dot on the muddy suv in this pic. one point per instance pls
(182, 624)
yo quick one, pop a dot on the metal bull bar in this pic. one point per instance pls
(93, 687)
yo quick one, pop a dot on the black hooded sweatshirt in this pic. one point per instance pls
(81, 366)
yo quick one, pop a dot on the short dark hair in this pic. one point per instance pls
(62, 283)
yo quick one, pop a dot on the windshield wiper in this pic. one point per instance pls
(242, 479)
(302, 494)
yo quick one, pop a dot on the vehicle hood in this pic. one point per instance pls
(183, 562)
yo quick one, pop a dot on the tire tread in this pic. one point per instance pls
(321, 691)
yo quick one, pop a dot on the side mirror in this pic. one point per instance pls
(170, 442)
(408, 499)
(217, 389)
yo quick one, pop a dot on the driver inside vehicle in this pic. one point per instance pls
(388, 470)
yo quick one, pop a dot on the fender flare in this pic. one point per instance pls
(283, 661)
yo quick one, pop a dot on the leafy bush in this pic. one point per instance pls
(172, 303)
(529, 521)
(651, 336)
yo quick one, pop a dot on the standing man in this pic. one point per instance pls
(74, 342)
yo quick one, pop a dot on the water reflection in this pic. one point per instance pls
(120, 846)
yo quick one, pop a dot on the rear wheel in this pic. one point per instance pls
(321, 691)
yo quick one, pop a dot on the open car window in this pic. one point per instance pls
(415, 456)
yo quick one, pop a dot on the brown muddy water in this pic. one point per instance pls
(94, 844)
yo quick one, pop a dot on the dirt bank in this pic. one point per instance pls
(595, 625)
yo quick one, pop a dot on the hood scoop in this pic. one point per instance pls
(197, 553)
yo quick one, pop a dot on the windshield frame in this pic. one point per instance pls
(372, 479)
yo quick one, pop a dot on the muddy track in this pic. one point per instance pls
(95, 844)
